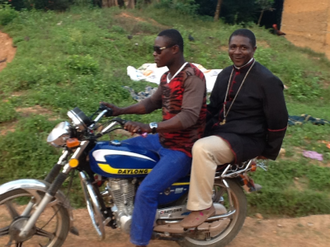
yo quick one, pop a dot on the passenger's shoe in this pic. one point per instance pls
(196, 218)
(257, 187)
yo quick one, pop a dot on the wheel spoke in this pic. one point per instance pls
(4, 231)
(11, 209)
(43, 233)
(207, 236)
(53, 232)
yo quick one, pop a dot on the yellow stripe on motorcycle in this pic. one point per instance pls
(180, 184)
(108, 169)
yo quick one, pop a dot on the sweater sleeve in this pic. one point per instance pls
(193, 97)
(276, 116)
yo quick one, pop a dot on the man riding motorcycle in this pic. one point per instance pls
(182, 98)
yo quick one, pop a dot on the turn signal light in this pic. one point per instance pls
(72, 143)
(73, 163)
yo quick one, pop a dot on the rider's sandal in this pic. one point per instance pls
(196, 218)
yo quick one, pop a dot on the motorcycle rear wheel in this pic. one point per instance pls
(232, 225)
(50, 230)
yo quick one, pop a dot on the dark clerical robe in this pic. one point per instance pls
(256, 123)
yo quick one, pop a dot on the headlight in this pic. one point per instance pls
(79, 119)
(59, 134)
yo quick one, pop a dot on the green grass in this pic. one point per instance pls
(79, 58)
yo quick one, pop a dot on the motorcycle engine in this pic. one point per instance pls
(122, 191)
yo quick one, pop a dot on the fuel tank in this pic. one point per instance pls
(121, 160)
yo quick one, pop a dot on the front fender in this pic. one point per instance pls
(25, 184)
(34, 187)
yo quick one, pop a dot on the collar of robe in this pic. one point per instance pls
(245, 66)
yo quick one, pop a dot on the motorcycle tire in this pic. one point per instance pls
(235, 223)
(54, 217)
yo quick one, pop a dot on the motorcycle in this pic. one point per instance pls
(39, 213)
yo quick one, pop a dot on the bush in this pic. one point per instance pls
(85, 65)
(33, 157)
(8, 112)
(60, 5)
(7, 14)
(184, 7)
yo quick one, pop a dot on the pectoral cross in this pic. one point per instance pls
(223, 122)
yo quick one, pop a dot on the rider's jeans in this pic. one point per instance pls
(171, 166)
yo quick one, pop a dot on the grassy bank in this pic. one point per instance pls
(79, 58)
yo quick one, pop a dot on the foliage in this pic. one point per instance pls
(25, 153)
(84, 65)
(7, 14)
(188, 7)
(8, 112)
(232, 11)
(40, 4)
(264, 5)
(206, 7)
(280, 194)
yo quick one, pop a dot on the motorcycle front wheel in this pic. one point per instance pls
(16, 207)
(230, 226)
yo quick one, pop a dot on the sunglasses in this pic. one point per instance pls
(159, 50)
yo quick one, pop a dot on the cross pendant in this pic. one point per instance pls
(223, 122)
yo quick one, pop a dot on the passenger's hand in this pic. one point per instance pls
(116, 111)
(136, 127)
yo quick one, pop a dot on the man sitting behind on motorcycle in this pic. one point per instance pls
(182, 97)
(246, 118)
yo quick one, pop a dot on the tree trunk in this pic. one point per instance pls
(109, 3)
(131, 4)
(217, 10)
(260, 17)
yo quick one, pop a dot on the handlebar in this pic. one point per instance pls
(121, 121)
(108, 112)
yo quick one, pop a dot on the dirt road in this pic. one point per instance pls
(312, 231)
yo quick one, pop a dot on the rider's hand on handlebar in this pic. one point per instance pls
(115, 110)
(260, 157)
(136, 127)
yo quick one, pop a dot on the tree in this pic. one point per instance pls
(109, 3)
(217, 10)
(264, 5)
(131, 4)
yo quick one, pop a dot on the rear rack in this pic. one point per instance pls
(234, 170)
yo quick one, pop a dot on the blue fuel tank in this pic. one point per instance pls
(121, 160)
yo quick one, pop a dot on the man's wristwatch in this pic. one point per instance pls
(153, 126)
